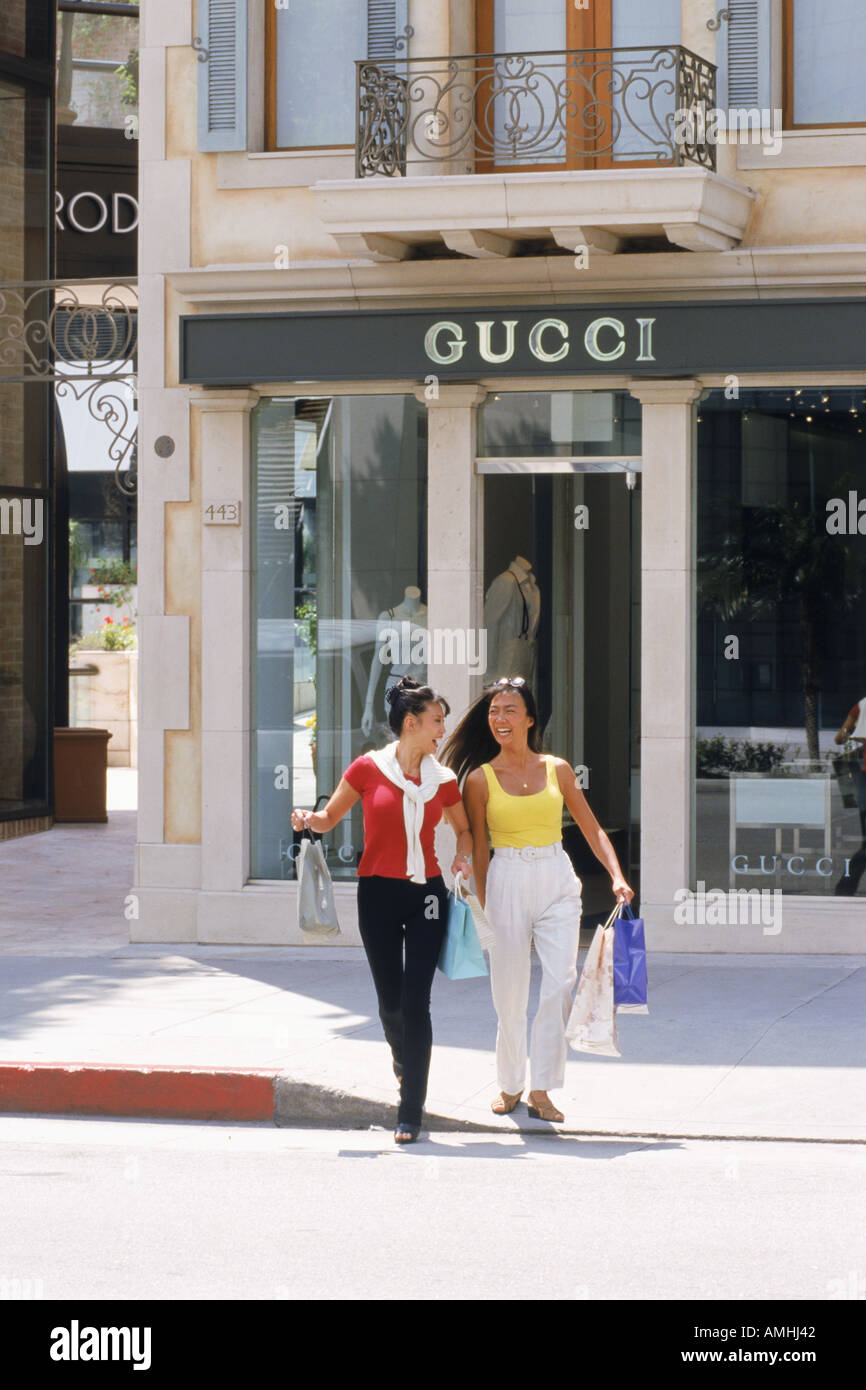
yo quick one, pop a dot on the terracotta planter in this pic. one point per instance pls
(80, 774)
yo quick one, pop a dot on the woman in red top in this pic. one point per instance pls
(402, 898)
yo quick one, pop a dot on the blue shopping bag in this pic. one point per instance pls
(629, 963)
(461, 957)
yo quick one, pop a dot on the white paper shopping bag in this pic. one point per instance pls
(591, 1024)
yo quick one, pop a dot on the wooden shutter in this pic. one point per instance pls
(745, 56)
(222, 79)
(386, 20)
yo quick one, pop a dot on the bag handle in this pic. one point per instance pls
(460, 890)
(623, 909)
(612, 918)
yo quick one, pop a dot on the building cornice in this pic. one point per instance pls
(757, 273)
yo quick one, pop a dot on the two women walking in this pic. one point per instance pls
(512, 802)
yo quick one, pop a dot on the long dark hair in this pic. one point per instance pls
(472, 742)
(408, 697)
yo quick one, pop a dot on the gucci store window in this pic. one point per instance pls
(339, 593)
(781, 643)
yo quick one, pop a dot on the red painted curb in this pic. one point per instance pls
(189, 1093)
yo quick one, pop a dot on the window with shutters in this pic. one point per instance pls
(312, 48)
(604, 104)
(824, 46)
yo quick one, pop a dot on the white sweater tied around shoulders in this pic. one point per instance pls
(415, 799)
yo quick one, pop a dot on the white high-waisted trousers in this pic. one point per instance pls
(533, 897)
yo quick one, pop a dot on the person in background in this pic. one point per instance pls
(402, 898)
(855, 728)
(530, 892)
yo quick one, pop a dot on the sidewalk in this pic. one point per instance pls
(735, 1046)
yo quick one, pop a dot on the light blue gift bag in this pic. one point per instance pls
(461, 957)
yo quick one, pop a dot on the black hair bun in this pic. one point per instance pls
(404, 684)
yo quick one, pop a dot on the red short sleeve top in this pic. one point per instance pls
(385, 845)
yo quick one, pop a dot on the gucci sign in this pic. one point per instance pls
(548, 339)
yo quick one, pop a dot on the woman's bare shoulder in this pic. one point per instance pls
(476, 781)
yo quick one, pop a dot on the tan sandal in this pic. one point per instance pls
(546, 1110)
(504, 1103)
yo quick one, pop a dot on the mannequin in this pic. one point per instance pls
(512, 610)
(410, 610)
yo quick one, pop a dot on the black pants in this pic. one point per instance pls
(393, 913)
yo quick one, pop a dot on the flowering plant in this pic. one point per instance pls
(111, 637)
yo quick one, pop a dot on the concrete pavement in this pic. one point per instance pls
(734, 1046)
(135, 1209)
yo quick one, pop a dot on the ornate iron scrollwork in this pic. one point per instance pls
(524, 109)
(51, 331)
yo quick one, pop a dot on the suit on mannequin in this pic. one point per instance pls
(409, 610)
(512, 611)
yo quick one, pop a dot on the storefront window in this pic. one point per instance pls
(25, 497)
(339, 496)
(781, 656)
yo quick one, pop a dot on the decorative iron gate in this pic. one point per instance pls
(81, 337)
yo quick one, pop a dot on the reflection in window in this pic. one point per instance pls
(97, 69)
(781, 576)
(339, 495)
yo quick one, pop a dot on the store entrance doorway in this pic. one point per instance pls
(578, 525)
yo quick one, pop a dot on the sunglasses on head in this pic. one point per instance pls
(516, 681)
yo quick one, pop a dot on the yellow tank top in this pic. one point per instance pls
(517, 821)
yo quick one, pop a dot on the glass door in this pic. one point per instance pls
(571, 523)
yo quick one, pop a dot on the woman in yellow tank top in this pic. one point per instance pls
(514, 794)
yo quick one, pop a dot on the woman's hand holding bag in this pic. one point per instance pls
(461, 957)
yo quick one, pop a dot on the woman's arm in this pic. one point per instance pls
(342, 800)
(456, 818)
(475, 800)
(847, 729)
(592, 832)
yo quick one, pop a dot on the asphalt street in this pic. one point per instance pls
(94, 1208)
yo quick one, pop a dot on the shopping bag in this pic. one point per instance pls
(483, 929)
(591, 1024)
(317, 912)
(629, 963)
(461, 956)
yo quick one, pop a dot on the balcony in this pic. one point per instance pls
(482, 152)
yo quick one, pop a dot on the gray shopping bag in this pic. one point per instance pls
(317, 912)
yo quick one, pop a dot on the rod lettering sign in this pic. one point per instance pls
(655, 340)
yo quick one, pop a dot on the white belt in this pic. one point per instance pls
(528, 851)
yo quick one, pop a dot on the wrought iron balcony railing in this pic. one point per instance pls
(587, 108)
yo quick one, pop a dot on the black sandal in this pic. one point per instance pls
(406, 1134)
